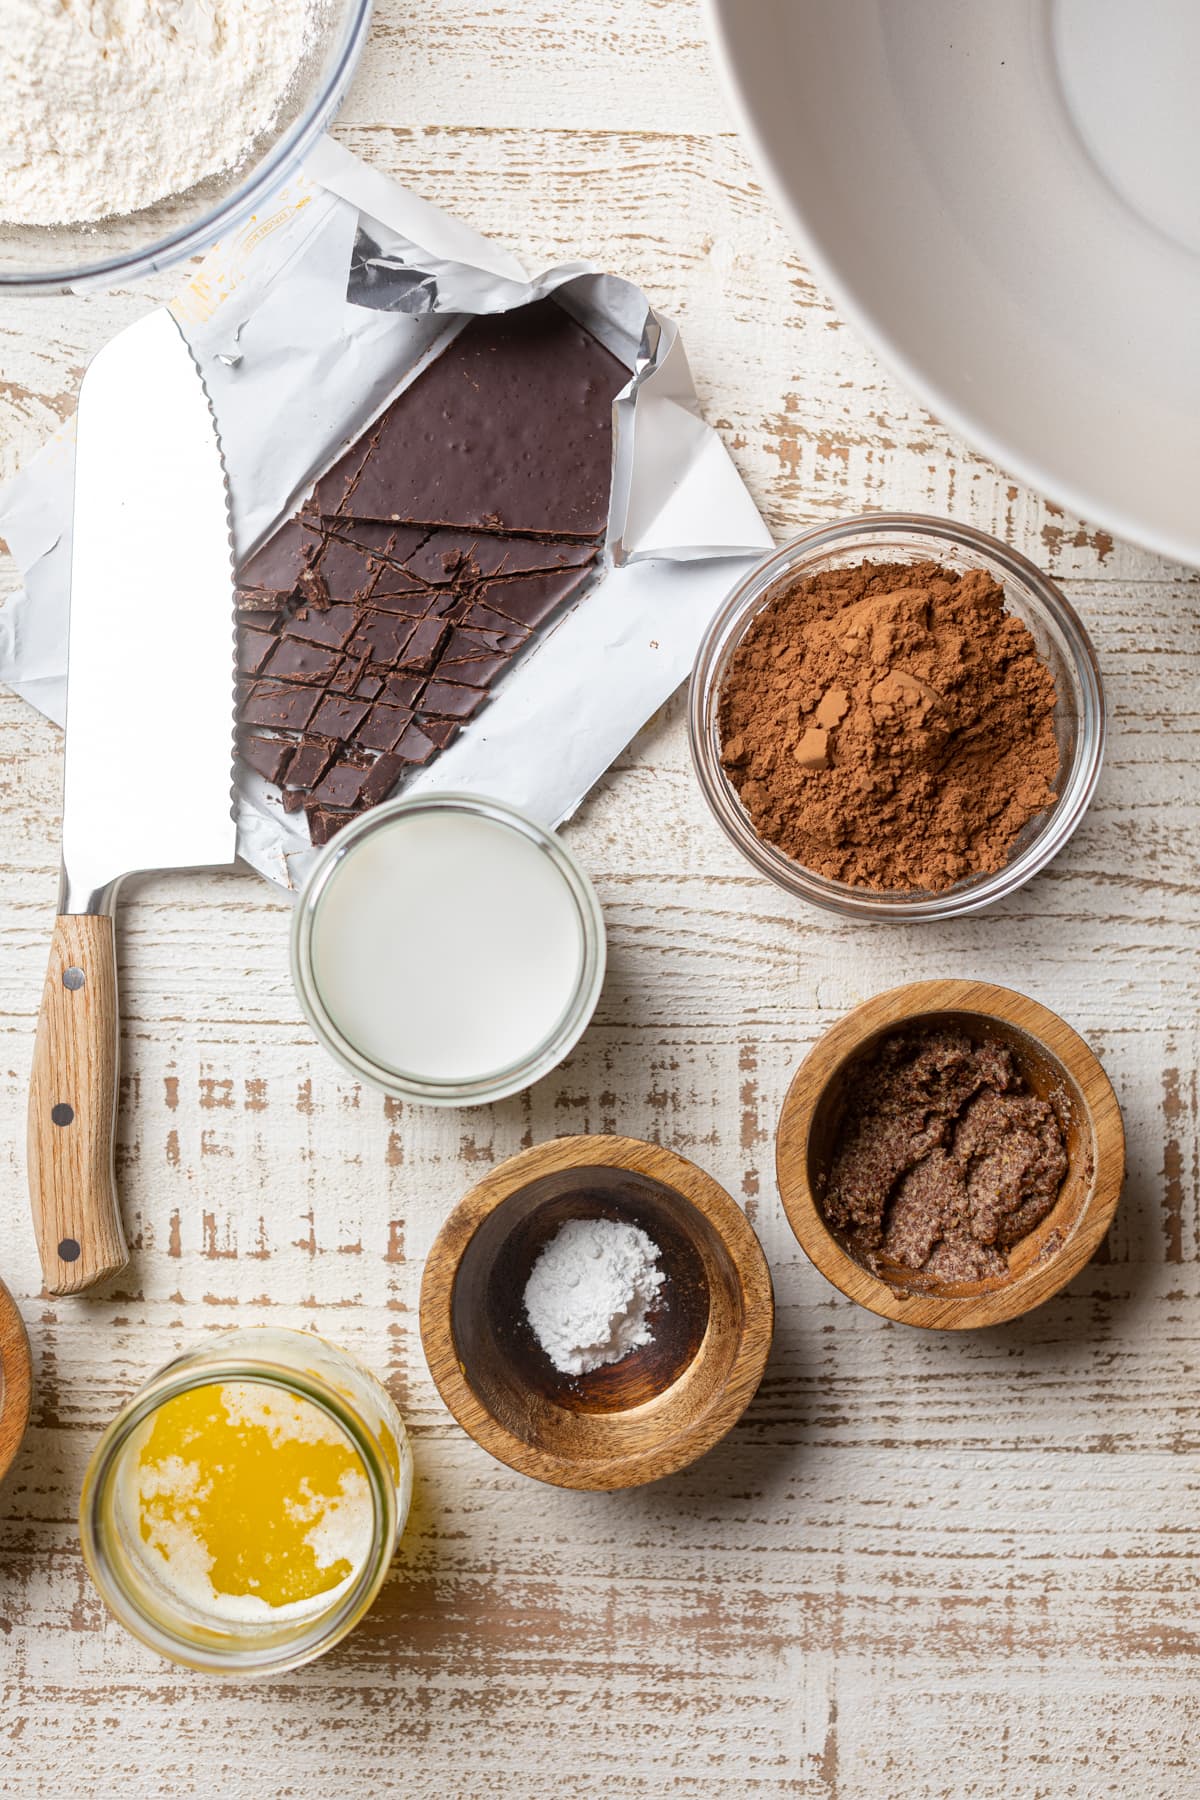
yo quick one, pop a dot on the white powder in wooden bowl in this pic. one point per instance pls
(109, 105)
(589, 1292)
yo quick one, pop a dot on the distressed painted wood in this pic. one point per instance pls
(929, 1564)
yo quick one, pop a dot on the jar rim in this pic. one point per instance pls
(893, 529)
(496, 1084)
(312, 1637)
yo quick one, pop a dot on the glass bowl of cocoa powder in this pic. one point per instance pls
(897, 717)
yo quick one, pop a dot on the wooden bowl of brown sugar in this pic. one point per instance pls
(1056, 1088)
(659, 1406)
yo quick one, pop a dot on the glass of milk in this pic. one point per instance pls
(448, 949)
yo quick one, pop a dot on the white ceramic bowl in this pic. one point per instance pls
(1004, 197)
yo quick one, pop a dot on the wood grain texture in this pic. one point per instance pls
(922, 1563)
(73, 1109)
(662, 1406)
(15, 1379)
(1053, 1061)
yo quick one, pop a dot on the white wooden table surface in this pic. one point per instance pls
(922, 1565)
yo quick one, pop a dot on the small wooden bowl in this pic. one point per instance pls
(1056, 1064)
(16, 1382)
(661, 1406)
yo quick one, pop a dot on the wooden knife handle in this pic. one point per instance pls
(73, 1107)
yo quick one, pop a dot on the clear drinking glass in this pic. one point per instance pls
(500, 1083)
(299, 1365)
(1061, 640)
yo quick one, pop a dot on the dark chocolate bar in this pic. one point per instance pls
(280, 705)
(508, 430)
(379, 616)
(268, 757)
(383, 727)
(293, 659)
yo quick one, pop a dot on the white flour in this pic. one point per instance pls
(108, 105)
(589, 1292)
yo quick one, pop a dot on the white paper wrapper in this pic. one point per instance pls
(305, 325)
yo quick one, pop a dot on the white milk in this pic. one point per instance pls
(446, 946)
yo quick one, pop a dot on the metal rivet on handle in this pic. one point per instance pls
(62, 1114)
(68, 1250)
(73, 978)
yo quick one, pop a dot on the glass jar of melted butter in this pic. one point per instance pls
(240, 1514)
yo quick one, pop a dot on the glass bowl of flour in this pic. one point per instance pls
(137, 132)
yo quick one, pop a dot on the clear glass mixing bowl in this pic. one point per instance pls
(1058, 633)
(55, 259)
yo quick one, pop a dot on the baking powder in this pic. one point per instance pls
(590, 1291)
(109, 105)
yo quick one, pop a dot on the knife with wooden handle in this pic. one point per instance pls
(149, 754)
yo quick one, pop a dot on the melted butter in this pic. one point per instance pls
(250, 1499)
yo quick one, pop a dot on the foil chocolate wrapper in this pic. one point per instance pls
(306, 324)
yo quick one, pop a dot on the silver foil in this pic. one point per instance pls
(306, 324)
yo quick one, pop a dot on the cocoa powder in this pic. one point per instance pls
(890, 725)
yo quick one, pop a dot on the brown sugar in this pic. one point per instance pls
(890, 725)
(945, 1159)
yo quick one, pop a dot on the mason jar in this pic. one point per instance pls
(211, 1519)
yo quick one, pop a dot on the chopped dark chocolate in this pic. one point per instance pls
(335, 484)
(259, 618)
(480, 672)
(348, 572)
(324, 822)
(295, 660)
(394, 592)
(280, 705)
(439, 731)
(338, 718)
(382, 727)
(421, 650)
(508, 430)
(381, 779)
(379, 537)
(312, 589)
(268, 757)
(378, 616)
(308, 765)
(342, 784)
(277, 566)
(442, 557)
(382, 637)
(466, 644)
(416, 745)
(482, 618)
(403, 690)
(452, 555)
(253, 648)
(334, 625)
(529, 599)
(349, 676)
(447, 700)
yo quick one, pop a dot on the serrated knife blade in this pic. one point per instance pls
(149, 752)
